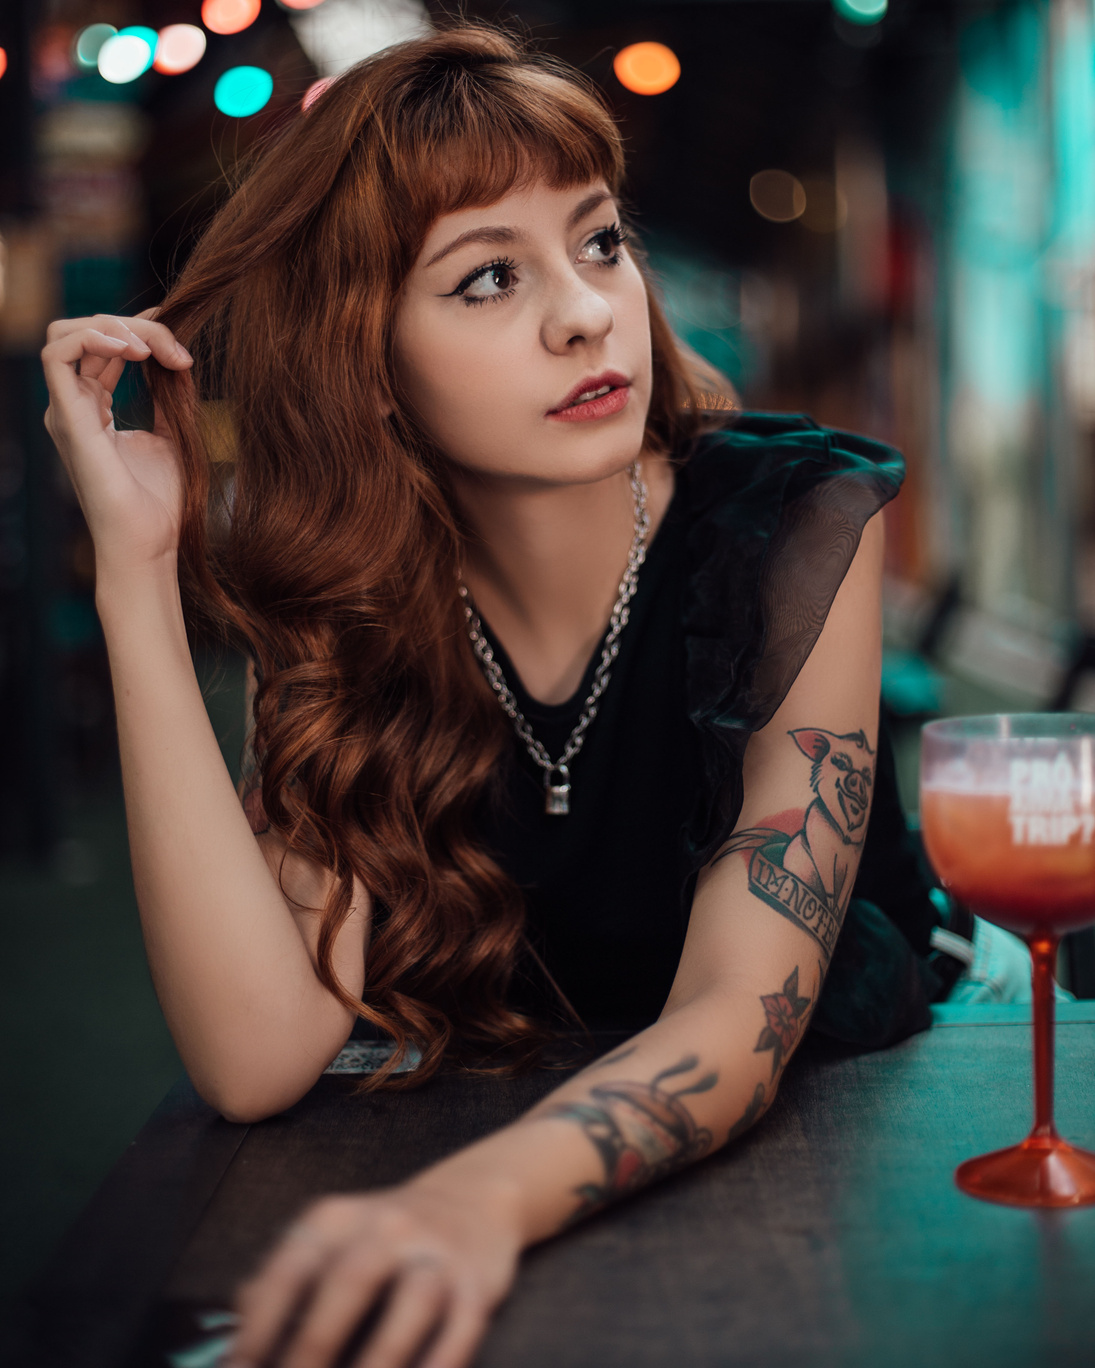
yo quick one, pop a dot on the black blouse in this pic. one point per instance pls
(764, 522)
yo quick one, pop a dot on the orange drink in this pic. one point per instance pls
(988, 860)
(1007, 810)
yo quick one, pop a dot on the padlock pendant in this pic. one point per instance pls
(557, 796)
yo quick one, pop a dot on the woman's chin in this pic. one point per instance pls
(584, 462)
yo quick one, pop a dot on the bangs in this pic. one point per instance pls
(471, 135)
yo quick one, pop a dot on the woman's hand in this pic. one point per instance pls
(128, 483)
(442, 1255)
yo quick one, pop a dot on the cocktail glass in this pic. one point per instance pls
(1007, 809)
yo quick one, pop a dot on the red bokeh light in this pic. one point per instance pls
(229, 16)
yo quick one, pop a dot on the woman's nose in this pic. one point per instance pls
(576, 314)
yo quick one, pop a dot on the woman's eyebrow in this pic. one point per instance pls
(507, 235)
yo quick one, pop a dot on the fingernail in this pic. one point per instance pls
(183, 352)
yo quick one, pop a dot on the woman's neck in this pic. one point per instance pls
(546, 566)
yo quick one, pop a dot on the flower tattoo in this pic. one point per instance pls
(784, 1012)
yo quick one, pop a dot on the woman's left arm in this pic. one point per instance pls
(443, 1247)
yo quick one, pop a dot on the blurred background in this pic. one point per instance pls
(882, 214)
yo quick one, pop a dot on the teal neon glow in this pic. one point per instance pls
(243, 90)
(85, 50)
(1073, 88)
(861, 11)
(147, 35)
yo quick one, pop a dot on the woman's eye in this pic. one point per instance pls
(607, 242)
(489, 282)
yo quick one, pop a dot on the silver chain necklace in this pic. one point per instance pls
(557, 796)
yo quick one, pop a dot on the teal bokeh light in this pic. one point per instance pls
(243, 90)
(146, 34)
(861, 11)
(85, 50)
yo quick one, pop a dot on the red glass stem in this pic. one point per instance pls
(1043, 954)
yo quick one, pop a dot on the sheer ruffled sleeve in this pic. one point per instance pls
(777, 508)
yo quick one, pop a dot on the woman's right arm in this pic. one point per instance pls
(232, 958)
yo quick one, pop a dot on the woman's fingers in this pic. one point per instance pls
(165, 347)
(62, 354)
(266, 1303)
(397, 1271)
(75, 401)
(145, 336)
(416, 1304)
(461, 1335)
(111, 374)
(349, 1288)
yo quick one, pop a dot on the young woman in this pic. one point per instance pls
(566, 678)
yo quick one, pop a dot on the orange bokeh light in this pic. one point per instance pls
(299, 4)
(3, 61)
(647, 68)
(229, 16)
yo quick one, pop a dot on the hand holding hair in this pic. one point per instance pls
(127, 482)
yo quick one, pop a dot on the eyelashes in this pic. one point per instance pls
(615, 234)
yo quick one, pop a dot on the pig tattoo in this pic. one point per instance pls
(808, 876)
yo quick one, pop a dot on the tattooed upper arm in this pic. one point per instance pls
(807, 779)
(806, 872)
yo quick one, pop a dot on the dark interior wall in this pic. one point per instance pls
(765, 83)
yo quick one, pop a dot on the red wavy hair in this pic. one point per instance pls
(329, 556)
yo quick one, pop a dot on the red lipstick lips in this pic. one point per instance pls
(570, 410)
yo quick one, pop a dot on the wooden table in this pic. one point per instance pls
(832, 1234)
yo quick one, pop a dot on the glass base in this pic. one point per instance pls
(1041, 1172)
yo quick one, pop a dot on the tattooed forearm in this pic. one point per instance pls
(757, 1107)
(807, 876)
(641, 1131)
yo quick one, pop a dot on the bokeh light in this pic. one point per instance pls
(150, 35)
(826, 206)
(861, 11)
(243, 90)
(299, 4)
(124, 57)
(777, 196)
(647, 68)
(3, 61)
(85, 50)
(229, 16)
(181, 47)
(314, 91)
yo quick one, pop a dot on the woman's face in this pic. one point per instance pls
(510, 309)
